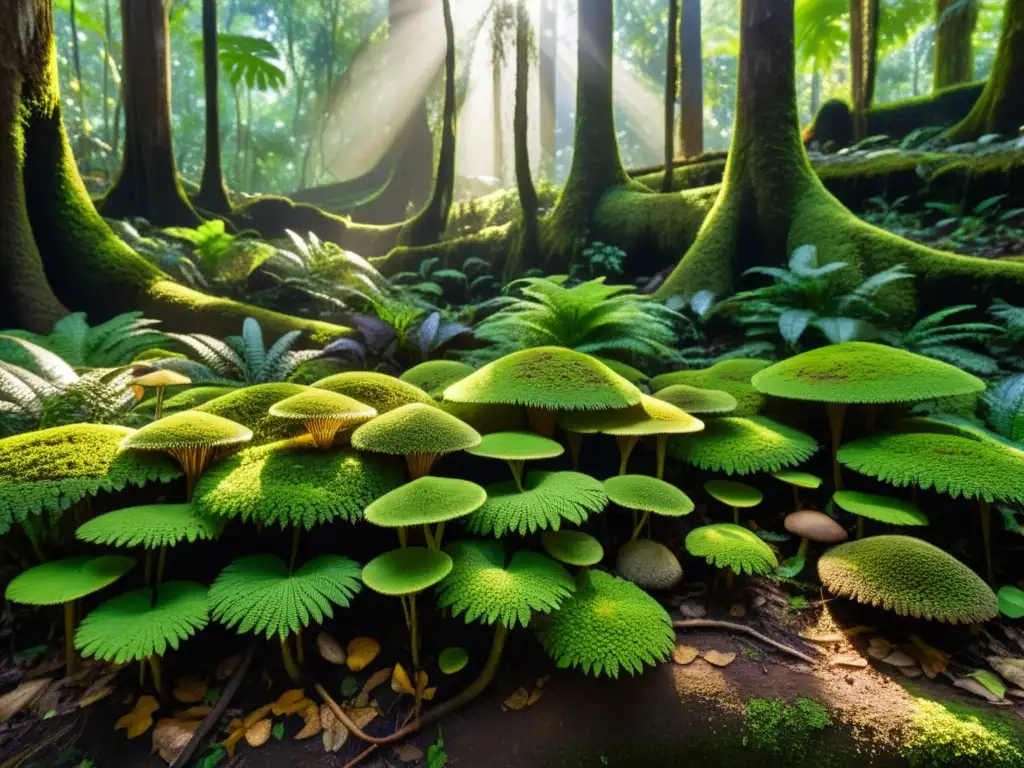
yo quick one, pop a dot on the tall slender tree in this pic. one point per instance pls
(955, 21)
(529, 243)
(691, 113)
(548, 73)
(213, 195)
(864, 22)
(671, 89)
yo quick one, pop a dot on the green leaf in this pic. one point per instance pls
(791, 566)
(349, 687)
(277, 731)
(1011, 602)
(992, 682)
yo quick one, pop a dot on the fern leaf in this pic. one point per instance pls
(50, 366)
(255, 354)
(277, 366)
(152, 526)
(549, 499)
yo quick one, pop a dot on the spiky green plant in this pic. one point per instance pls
(152, 526)
(607, 626)
(732, 547)
(932, 337)
(111, 344)
(744, 445)
(547, 500)
(1004, 407)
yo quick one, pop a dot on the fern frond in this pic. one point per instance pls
(255, 354)
(549, 499)
(152, 526)
(50, 366)
(277, 365)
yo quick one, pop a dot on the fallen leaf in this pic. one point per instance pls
(860, 629)
(256, 715)
(99, 689)
(290, 702)
(1010, 668)
(898, 659)
(236, 732)
(361, 652)
(361, 716)
(277, 731)
(373, 682)
(227, 667)
(311, 715)
(13, 702)
(140, 719)
(737, 610)
(933, 661)
(535, 695)
(719, 659)
(349, 686)
(1017, 693)
(400, 682)
(334, 732)
(911, 671)
(190, 690)
(684, 654)
(194, 712)
(517, 700)
(407, 753)
(330, 649)
(171, 736)
(849, 660)
(257, 734)
(992, 682)
(826, 637)
(973, 686)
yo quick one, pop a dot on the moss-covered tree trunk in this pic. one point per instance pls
(691, 90)
(48, 220)
(1000, 109)
(671, 87)
(955, 21)
(528, 244)
(547, 71)
(148, 185)
(864, 21)
(213, 195)
(771, 201)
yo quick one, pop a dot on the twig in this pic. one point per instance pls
(218, 709)
(730, 626)
(361, 756)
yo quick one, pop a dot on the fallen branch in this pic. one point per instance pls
(731, 627)
(218, 709)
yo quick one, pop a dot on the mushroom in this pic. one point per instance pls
(546, 500)
(744, 445)
(160, 380)
(881, 508)
(426, 501)
(648, 564)
(859, 372)
(810, 526)
(434, 376)
(381, 392)
(323, 413)
(731, 376)
(422, 433)
(573, 547)
(732, 547)
(516, 448)
(697, 400)
(641, 493)
(250, 407)
(734, 495)
(191, 437)
(798, 480)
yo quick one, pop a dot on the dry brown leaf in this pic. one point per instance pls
(258, 734)
(171, 736)
(334, 732)
(311, 715)
(330, 649)
(407, 753)
(911, 671)
(256, 715)
(361, 716)
(849, 660)
(373, 682)
(140, 719)
(227, 667)
(932, 660)
(719, 659)
(684, 654)
(361, 653)
(542, 681)
(822, 637)
(190, 690)
(971, 685)
(737, 610)
(535, 695)
(400, 682)
(99, 689)
(899, 659)
(517, 700)
(13, 702)
(860, 629)
(192, 713)
(1010, 668)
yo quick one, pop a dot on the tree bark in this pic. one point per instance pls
(213, 195)
(548, 73)
(148, 185)
(955, 21)
(1000, 109)
(529, 244)
(864, 20)
(691, 118)
(671, 88)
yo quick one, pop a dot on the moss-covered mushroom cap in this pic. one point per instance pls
(884, 509)
(250, 406)
(188, 429)
(322, 404)
(573, 547)
(799, 479)
(517, 446)
(406, 571)
(732, 376)
(548, 499)
(649, 417)
(434, 376)
(697, 400)
(426, 500)
(415, 428)
(910, 577)
(294, 483)
(648, 564)
(726, 545)
(744, 445)
(815, 526)
(734, 494)
(647, 494)
(553, 378)
(863, 372)
(62, 581)
(193, 397)
(381, 392)
(151, 526)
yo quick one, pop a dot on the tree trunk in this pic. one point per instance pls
(76, 54)
(497, 110)
(691, 118)
(864, 20)
(1000, 108)
(815, 92)
(548, 73)
(955, 21)
(107, 43)
(213, 195)
(671, 88)
(771, 201)
(529, 244)
(148, 185)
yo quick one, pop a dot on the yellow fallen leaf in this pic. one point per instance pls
(256, 715)
(719, 659)
(236, 735)
(190, 690)
(330, 649)
(171, 736)
(737, 610)
(361, 716)
(13, 702)
(932, 660)
(289, 702)
(535, 695)
(860, 629)
(361, 653)
(194, 712)
(684, 654)
(140, 719)
(517, 700)
(99, 689)
(400, 682)
(373, 682)
(257, 734)
(334, 732)
(311, 715)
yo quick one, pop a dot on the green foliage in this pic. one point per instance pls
(788, 732)
(573, 547)
(1004, 406)
(61, 581)
(608, 625)
(381, 392)
(725, 545)
(599, 260)
(548, 499)
(948, 735)
(426, 500)
(732, 376)
(249, 60)
(648, 564)
(134, 626)
(452, 659)
(110, 344)
(799, 479)
(696, 400)
(151, 526)
(434, 376)
(931, 336)
(256, 593)
(485, 585)
(406, 571)
(1007, 348)
(185, 430)
(415, 428)
(193, 397)
(909, 577)
(744, 445)
(250, 407)
(881, 508)
(517, 446)
(1011, 602)
(292, 483)
(734, 493)
(647, 494)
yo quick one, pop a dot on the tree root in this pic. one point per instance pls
(731, 627)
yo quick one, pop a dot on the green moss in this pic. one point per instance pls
(725, 545)
(696, 400)
(732, 376)
(251, 407)
(312, 371)
(517, 446)
(573, 547)
(320, 404)
(958, 736)
(881, 508)
(787, 732)
(381, 392)
(909, 577)
(434, 376)
(415, 429)
(190, 398)
(187, 429)
(743, 446)
(648, 564)
(426, 500)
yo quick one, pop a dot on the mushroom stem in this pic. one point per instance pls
(158, 681)
(142, 673)
(860, 527)
(730, 579)
(517, 466)
(429, 537)
(736, 515)
(640, 527)
(661, 448)
(626, 445)
(158, 409)
(323, 431)
(300, 654)
(574, 440)
(71, 658)
(836, 416)
(160, 564)
(542, 420)
(986, 537)
(802, 549)
(405, 610)
(403, 537)
(193, 460)
(295, 548)
(148, 574)
(420, 464)
(414, 634)
(289, 662)
(438, 533)
(796, 499)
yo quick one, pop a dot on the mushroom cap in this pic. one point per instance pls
(626, 371)
(517, 446)
(406, 571)
(322, 404)
(151, 526)
(732, 376)
(185, 400)
(161, 378)
(697, 400)
(910, 577)
(187, 429)
(573, 547)
(548, 499)
(950, 463)
(381, 392)
(799, 479)
(434, 376)
(294, 483)
(744, 445)
(726, 545)
(648, 494)
(882, 508)
(485, 418)
(863, 372)
(816, 526)
(554, 378)
(415, 428)
(61, 581)
(426, 500)
(648, 564)
(649, 417)
(250, 407)
(733, 493)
